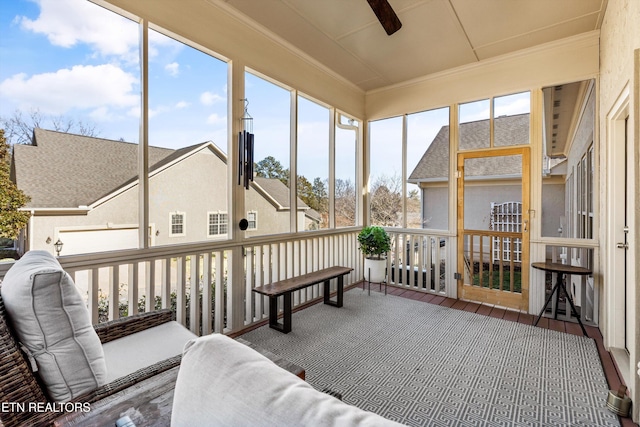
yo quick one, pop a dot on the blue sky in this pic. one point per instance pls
(74, 59)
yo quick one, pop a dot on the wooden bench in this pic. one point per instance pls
(287, 286)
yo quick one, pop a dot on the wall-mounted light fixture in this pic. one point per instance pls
(48, 240)
(58, 246)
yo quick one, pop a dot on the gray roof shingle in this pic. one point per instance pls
(278, 191)
(62, 170)
(510, 130)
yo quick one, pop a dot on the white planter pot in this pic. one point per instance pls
(374, 270)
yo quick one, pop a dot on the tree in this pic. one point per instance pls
(386, 201)
(345, 203)
(269, 167)
(12, 220)
(19, 129)
(305, 192)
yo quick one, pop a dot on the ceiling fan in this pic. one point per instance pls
(386, 15)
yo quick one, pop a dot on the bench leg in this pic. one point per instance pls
(339, 293)
(285, 326)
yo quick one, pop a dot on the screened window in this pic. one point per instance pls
(177, 224)
(218, 223)
(385, 181)
(313, 164)
(497, 122)
(568, 160)
(187, 135)
(345, 188)
(270, 106)
(427, 195)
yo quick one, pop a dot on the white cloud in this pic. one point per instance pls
(216, 119)
(159, 110)
(181, 104)
(515, 106)
(210, 98)
(67, 23)
(101, 114)
(80, 87)
(173, 69)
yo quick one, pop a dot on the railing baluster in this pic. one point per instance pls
(181, 284)
(481, 262)
(173, 276)
(248, 301)
(194, 294)
(422, 270)
(93, 294)
(133, 288)
(206, 294)
(150, 285)
(512, 269)
(165, 285)
(219, 313)
(114, 292)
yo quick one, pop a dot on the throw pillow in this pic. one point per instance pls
(53, 326)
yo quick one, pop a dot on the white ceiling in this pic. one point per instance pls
(436, 35)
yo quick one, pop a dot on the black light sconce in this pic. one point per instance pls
(58, 246)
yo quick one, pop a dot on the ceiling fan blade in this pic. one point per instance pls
(386, 15)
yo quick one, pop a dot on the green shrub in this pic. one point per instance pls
(374, 242)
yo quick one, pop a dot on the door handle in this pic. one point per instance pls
(622, 245)
(525, 226)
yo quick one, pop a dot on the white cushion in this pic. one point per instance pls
(225, 383)
(52, 322)
(136, 351)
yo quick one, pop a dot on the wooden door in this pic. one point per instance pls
(493, 227)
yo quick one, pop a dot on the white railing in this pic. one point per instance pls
(418, 260)
(123, 283)
(269, 261)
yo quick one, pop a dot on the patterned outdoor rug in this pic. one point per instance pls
(426, 365)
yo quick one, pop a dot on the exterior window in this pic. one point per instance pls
(218, 224)
(177, 226)
(585, 196)
(252, 217)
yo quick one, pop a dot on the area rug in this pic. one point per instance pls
(425, 365)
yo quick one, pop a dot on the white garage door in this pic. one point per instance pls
(86, 241)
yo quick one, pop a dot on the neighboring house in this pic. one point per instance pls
(84, 191)
(493, 180)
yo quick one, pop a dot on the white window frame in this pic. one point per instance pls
(584, 195)
(255, 220)
(184, 224)
(219, 223)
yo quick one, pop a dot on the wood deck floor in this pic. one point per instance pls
(614, 378)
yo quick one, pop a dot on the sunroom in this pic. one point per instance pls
(484, 136)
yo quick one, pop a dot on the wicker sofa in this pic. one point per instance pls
(19, 386)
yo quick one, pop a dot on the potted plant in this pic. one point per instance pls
(374, 244)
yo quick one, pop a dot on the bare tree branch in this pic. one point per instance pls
(19, 126)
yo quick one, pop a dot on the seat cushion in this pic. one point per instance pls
(126, 355)
(222, 382)
(53, 325)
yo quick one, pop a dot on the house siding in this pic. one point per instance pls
(179, 187)
(619, 67)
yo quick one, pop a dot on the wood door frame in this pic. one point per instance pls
(492, 296)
